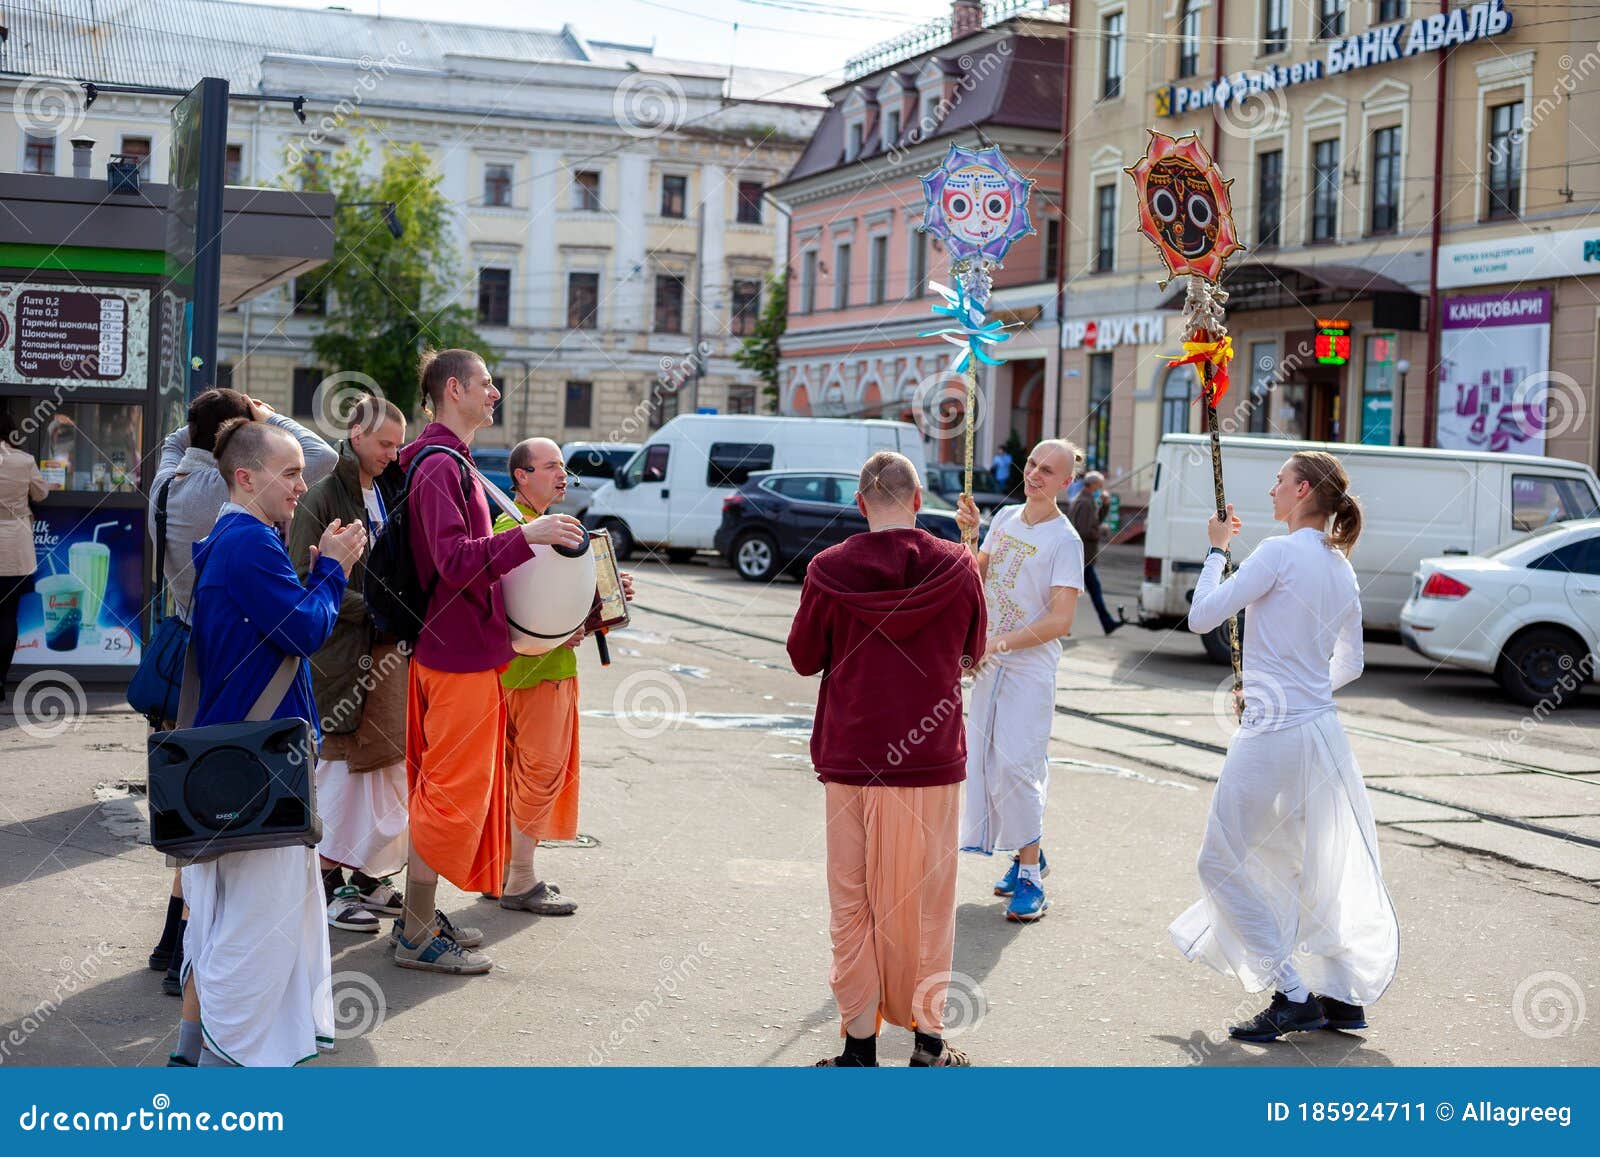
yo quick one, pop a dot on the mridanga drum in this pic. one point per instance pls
(548, 597)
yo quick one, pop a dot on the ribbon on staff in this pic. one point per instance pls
(972, 333)
(1219, 354)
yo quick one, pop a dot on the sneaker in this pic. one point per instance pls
(384, 900)
(1007, 883)
(1028, 903)
(1342, 1017)
(543, 899)
(440, 954)
(345, 911)
(466, 937)
(1281, 1016)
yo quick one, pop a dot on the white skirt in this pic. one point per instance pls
(1292, 889)
(1008, 760)
(363, 817)
(257, 945)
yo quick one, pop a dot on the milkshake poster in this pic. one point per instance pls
(1494, 358)
(88, 591)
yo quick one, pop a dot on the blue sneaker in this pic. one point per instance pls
(1028, 904)
(1007, 884)
(437, 953)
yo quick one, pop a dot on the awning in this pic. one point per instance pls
(1281, 285)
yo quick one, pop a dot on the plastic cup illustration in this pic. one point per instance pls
(62, 596)
(90, 564)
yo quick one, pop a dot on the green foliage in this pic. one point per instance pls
(759, 351)
(389, 298)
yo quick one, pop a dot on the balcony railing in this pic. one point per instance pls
(926, 37)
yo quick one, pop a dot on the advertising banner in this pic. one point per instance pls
(1493, 372)
(87, 591)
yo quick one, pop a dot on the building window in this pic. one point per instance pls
(1097, 430)
(915, 286)
(1325, 191)
(494, 296)
(669, 303)
(891, 128)
(224, 380)
(1189, 39)
(746, 306)
(841, 276)
(583, 301)
(1330, 18)
(857, 135)
(39, 155)
(586, 191)
(309, 296)
(749, 212)
(303, 394)
(1391, 10)
(1505, 160)
(497, 185)
(138, 149)
(663, 408)
(674, 195)
(578, 414)
(233, 166)
(930, 114)
(1263, 377)
(1111, 56)
(1386, 180)
(878, 270)
(1274, 26)
(808, 281)
(1052, 248)
(1269, 199)
(741, 399)
(1177, 391)
(1105, 228)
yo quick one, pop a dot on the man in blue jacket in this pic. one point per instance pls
(256, 948)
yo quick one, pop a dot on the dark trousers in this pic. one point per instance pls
(1091, 583)
(12, 588)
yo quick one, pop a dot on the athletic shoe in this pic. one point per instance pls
(174, 1061)
(345, 911)
(1028, 904)
(1342, 1017)
(542, 899)
(466, 937)
(384, 900)
(1007, 884)
(172, 982)
(440, 954)
(1281, 1016)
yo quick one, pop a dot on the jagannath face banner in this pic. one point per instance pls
(1184, 206)
(977, 204)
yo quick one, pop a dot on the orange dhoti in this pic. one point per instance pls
(892, 855)
(542, 758)
(455, 775)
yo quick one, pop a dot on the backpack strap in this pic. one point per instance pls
(466, 495)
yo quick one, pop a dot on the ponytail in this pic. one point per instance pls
(1330, 490)
(1347, 522)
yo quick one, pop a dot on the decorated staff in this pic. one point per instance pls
(977, 204)
(1186, 210)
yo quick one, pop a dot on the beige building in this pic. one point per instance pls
(608, 203)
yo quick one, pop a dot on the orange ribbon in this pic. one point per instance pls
(1219, 354)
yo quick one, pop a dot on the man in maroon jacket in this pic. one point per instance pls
(891, 618)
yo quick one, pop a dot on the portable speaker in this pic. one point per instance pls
(233, 787)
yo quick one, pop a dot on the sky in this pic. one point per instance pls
(813, 37)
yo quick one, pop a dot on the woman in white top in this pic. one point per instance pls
(20, 483)
(1293, 895)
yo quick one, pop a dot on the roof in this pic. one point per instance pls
(176, 42)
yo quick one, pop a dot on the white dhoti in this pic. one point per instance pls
(257, 946)
(1289, 869)
(1008, 760)
(363, 817)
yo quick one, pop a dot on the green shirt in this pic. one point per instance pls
(528, 670)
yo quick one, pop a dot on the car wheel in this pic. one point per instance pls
(1218, 649)
(1541, 665)
(755, 557)
(680, 554)
(621, 538)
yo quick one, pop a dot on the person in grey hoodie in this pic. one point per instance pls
(195, 494)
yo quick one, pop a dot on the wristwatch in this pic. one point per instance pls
(1217, 550)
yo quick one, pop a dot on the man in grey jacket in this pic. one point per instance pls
(1087, 513)
(196, 491)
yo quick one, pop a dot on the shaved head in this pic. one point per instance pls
(538, 475)
(888, 479)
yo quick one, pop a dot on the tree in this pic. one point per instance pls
(389, 298)
(759, 351)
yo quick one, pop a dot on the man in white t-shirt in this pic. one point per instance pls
(1032, 567)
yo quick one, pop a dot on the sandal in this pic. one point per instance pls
(838, 1063)
(949, 1057)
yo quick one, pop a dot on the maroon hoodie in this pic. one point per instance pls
(891, 618)
(465, 626)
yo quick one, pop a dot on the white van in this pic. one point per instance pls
(669, 496)
(1417, 504)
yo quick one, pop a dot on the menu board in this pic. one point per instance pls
(75, 336)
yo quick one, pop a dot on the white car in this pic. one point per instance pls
(1527, 612)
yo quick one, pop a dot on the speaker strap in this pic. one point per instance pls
(266, 703)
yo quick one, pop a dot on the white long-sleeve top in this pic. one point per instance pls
(1302, 629)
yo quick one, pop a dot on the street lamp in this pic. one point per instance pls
(1402, 367)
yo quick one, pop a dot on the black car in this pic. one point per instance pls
(987, 494)
(780, 520)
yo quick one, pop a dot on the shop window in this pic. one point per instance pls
(94, 446)
(1097, 440)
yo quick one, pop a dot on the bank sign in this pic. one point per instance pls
(1375, 46)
